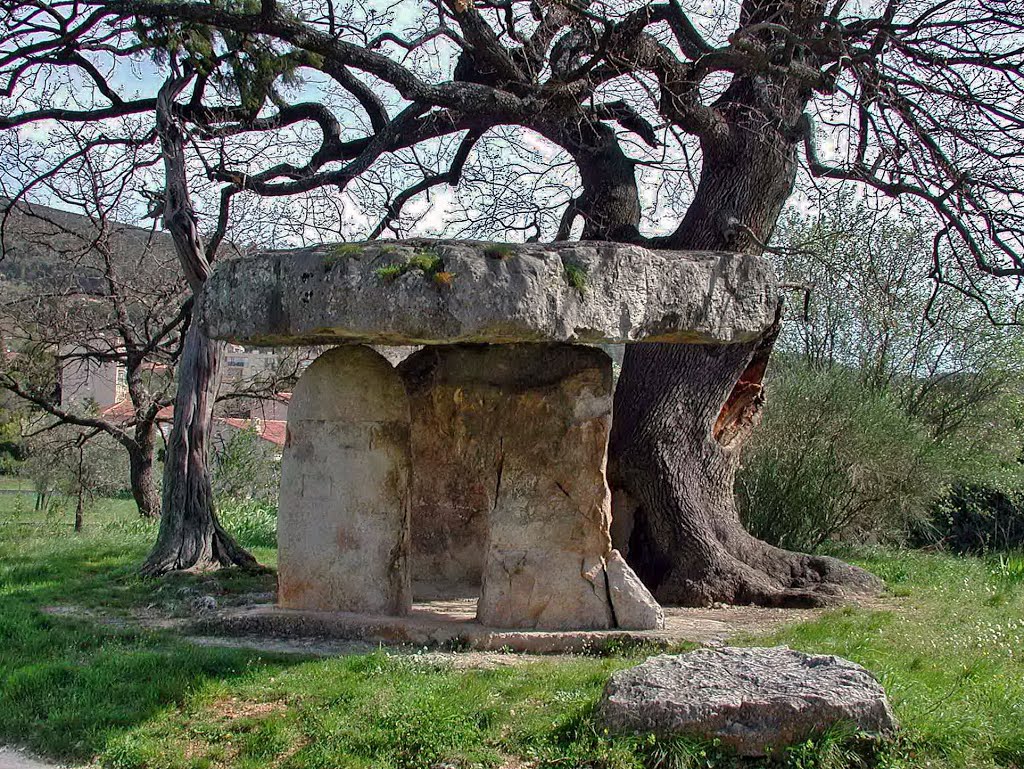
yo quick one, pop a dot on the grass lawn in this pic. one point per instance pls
(17, 509)
(950, 656)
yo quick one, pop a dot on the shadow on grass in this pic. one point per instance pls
(68, 686)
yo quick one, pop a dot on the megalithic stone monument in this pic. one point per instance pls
(478, 465)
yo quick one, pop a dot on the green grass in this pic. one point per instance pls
(68, 686)
(14, 482)
(576, 276)
(949, 653)
(18, 510)
(390, 271)
(340, 252)
(951, 656)
(427, 261)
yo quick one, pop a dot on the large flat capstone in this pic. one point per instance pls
(750, 699)
(448, 292)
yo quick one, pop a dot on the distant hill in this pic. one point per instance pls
(43, 244)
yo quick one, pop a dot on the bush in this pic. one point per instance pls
(245, 467)
(252, 522)
(834, 459)
(975, 519)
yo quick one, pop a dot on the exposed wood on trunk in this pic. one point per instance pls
(742, 409)
(682, 412)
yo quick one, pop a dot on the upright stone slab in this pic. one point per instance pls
(343, 520)
(519, 434)
(455, 455)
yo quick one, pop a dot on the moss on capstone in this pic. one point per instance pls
(576, 276)
(427, 261)
(498, 251)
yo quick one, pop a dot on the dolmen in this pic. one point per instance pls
(477, 465)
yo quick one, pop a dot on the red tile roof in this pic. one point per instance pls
(123, 412)
(270, 430)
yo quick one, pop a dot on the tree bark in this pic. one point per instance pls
(683, 412)
(140, 470)
(610, 201)
(190, 536)
(80, 496)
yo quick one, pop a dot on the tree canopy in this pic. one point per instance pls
(921, 100)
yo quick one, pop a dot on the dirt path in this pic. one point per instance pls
(12, 758)
(709, 626)
(438, 631)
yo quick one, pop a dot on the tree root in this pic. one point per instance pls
(216, 551)
(757, 573)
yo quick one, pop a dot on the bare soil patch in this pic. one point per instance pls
(703, 626)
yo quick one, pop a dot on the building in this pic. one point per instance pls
(84, 380)
(244, 367)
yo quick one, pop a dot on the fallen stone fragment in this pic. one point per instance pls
(752, 700)
(632, 603)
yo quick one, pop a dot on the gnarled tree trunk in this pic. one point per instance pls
(190, 536)
(682, 412)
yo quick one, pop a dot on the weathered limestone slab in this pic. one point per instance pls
(750, 699)
(634, 606)
(524, 428)
(343, 520)
(466, 291)
(455, 451)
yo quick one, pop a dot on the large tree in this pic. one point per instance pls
(665, 125)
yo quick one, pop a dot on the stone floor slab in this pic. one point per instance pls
(452, 624)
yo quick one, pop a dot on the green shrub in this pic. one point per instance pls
(834, 459)
(245, 467)
(253, 522)
(974, 519)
